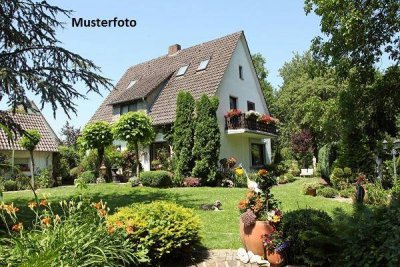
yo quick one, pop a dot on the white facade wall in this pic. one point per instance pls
(42, 159)
(246, 89)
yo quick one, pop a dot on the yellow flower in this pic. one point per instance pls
(239, 171)
(276, 218)
(17, 227)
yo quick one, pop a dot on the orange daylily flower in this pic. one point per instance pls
(46, 221)
(262, 172)
(43, 202)
(10, 208)
(119, 224)
(57, 218)
(32, 204)
(110, 230)
(17, 227)
(102, 212)
(130, 229)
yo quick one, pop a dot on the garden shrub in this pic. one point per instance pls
(340, 178)
(183, 133)
(87, 177)
(206, 144)
(164, 229)
(239, 180)
(77, 236)
(369, 237)
(376, 195)
(22, 181)
(347, 192)
(312, 238)
(156, 178)
(75, 172)
(294, 168)
(326, 156)
(327, 192)
(10, 185)
(311, 186)
(44, 179)
(286, 178)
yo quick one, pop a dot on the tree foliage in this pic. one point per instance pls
(358, 34)
(206, 139)
(97, 135)
(262, 73)
(183, 133)
(70, 135)
(32, 59)
(308, 99)
(30, 140)
(135, 128)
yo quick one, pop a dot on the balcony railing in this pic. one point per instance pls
(240, 122)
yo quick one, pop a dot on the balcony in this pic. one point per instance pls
(250, 127)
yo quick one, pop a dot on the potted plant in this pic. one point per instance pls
(233, 118)
(254, 209)
(311, 189)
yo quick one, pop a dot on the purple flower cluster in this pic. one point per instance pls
(281, 247)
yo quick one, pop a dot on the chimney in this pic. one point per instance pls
(173, 49)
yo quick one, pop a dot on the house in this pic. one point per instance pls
(45, 150)
(222, 67)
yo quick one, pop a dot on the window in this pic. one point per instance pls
(132, 83)
(182, 70)
(22, 164)
(257, 154)
(251, 106)
(128, 107)
(232, 102)
(240, 72)
(203, 64)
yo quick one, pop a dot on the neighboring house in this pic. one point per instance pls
(45, 150)
(222, 67)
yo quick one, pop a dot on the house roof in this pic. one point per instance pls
(48, 141)
(149, 75)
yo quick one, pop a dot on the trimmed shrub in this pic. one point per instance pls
(311, 186)
(327, 192)
(156, 178)
(87, 177)
(294, 168)
(311, 237)
(10, 185)
(340, 178)
(162, 228)
(22, 181)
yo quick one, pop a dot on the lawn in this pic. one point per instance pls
(220, 229)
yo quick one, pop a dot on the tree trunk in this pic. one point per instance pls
(32, 169)
(101, 157)
(137, 160)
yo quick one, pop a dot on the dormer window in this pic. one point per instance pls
(132, 83)
(203, 64)
(182, 70)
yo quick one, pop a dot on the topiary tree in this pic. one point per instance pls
(135, 128)
(183, 131)
(206, 139)
(29, 142)
(97, 135)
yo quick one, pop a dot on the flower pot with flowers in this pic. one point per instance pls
(267, 119)
(259, 214)
(233, 118)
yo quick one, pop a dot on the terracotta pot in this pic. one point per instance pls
(275, 259)
(252, 236)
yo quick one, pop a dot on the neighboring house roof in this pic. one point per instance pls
(149, 75)
(48, 141)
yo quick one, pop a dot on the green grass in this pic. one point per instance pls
(220, 229)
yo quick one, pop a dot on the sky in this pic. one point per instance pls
(276, 29)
